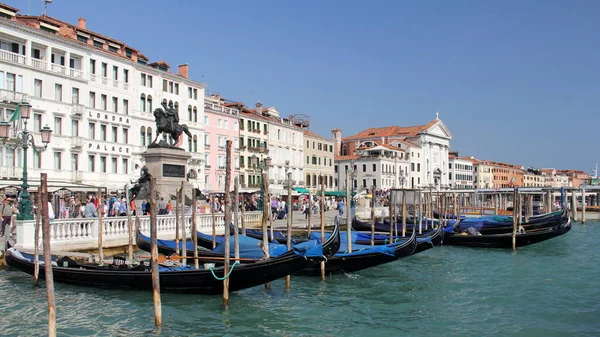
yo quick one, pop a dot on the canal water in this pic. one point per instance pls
(548, 289)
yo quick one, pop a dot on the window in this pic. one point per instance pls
(57, 126)
(176, 88)
(164, 88)
(103, 132)
(226, 124)
(92, 163)
(103, 164)
(37, 122)
(103, 102)
(205, 120)
(113, 164)
(113, 49)
(126, 107)
(37, 159)
(195, 114)
(143, 79)
(374, 167)
(37, 88)
(220, 123)
(115, 104)
(92, 131)
(125, 164)
(149, 99)
(92, 66)
(115, 73)
(170, 87)
(125, 136)
(189, 112)
(195, 93)
(114, 133)
(143, 136)
(364, 168)
(149, 81)
(104, 69)
(10, 82)
(195, 144)
(149, 135)
(75, 96)
(92, 100)
(57, 160)
(189, 92)
(98, 44)
(74, 162)
(125, 75)
(143, 102)
(74, 128)
(58, 92)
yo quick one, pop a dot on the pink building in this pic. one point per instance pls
(221, 124)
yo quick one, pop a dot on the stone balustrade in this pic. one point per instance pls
(82, 233)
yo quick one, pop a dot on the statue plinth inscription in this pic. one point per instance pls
(173, 171)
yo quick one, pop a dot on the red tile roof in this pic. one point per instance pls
(389, 131)
(348, 157)
(314, 135)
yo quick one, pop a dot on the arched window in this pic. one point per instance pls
(143, 136)
(149, 104)
(143, 102)
(307, 180)
(195, 143)
(190, 113)
(149, 136)
(195, 115)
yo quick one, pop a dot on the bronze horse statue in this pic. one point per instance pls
(167, 120)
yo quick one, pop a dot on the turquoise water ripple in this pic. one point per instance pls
(548, 289)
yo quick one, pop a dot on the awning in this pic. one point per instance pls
(335, 193)
(301, 190)
(53, 186)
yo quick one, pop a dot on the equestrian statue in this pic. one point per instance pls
(167, 120)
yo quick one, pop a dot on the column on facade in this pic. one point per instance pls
(49, 57)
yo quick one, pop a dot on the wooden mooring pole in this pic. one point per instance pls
(403, 212)
(515, 223)
(154, 255)
(348, 210)
(47, 256)
(290, 207)
(129, 225)
(582, 205)
(227, 219)
(322, 208)
(574, 205)
(236, 205)
(213, 203)
(372, 216)
(195, 227)
(177, 234)
(265, 217)
(36, 239)
(183, 223)
(100, 227)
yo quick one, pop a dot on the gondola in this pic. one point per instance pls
(182, 279)
(363, 257)
(504, 224)
(365, 226)
(558, 226)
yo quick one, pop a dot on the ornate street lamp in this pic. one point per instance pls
(24, 139)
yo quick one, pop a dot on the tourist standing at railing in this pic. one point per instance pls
(144, 207)
(170, 207)
(162, 206)
(123, 208)
(90, 209)
(8, 209)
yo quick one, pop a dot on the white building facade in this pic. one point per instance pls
(461, 173)
(96, 94)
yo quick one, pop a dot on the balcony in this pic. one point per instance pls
(78, 74)
(243, 147)
(77, 109)
(13, 96)
(207, 146)
(243, 185)
(57, 68)
(266, 132)
(77, 176)
(77, 142)
(39, 64)
(221, 167)
(11, 172)
(12, 57)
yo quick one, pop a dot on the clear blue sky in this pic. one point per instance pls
(514, 81)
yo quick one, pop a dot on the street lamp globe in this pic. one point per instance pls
(268, 162)
(46, 135)
(4, 130)
(25, 109)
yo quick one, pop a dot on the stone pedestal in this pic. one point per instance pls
(169, 167)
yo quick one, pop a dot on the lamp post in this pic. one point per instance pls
(24, 139)
(262, 165)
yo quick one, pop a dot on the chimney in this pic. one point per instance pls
(259, 107)
(81, 23)
(337, 140)
(184, 70)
